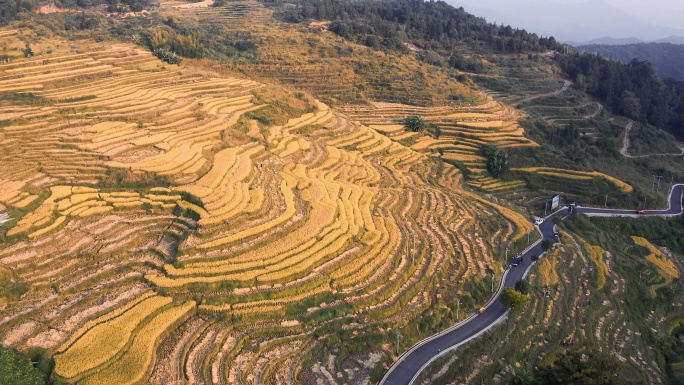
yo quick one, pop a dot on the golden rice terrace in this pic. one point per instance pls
(169, 222)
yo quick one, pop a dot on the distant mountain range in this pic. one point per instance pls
(593, 22)
(667, 58)
(629, 40)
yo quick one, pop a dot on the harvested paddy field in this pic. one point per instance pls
(179, 223)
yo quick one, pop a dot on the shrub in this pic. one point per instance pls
(41, 360)
(522, 286)
(167, 56)
(17, 369)
(497, 160)
(414, 123)
(513, 299)
(28, 52)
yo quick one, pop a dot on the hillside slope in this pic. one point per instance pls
(226, 229)
(233, 192)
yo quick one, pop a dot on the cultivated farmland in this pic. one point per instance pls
(219, 240)
(463, 132)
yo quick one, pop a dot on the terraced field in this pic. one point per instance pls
(380, 89)
(463, 133)
(146, 200)
(580, 298)
(576, 176)
(310, 58)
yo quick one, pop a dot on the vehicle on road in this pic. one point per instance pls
(539, 221)
(405, 371)
(517, 261)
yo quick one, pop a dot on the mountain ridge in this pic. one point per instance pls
(666, 58)
(581, 22)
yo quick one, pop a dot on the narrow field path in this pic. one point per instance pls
(595, 113)
(584, 117)
(625, 140)
(625, 145)
(566, 85)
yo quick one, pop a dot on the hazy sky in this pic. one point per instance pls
(666, 13)
(648, 20)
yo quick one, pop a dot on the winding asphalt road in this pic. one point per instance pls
(411, 364)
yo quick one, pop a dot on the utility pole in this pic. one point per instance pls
(398, 336)
(528, 237)
(505, 261)
(458, 308)
(671, 181)
(659, 179)
(493, 277)
(645, 199)
(546, 206)
(606, 204)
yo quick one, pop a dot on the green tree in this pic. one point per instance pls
(629, 105)
(17, 369)
(513, 299)
(8, 11)
(522, 376)
(28, 52)
(522, 286)
(547, 244)
(41, 360)
(577, 368)
(498, 163)
(414, 123)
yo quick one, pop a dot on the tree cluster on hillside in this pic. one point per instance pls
(10, 9)
(418, 124)
(18, 369)
(513, 299)
(667, 58)
(168, 40)
(497, 160)
(632, 89)
(577, 368)
(573, 367)
(433, 25)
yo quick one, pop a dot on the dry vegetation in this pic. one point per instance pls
(464, 130)
(176, 222)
